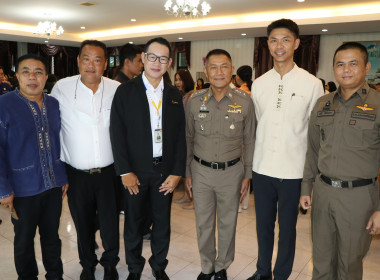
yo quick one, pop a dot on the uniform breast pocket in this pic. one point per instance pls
(234, 125)
(325, 125)
(361, 133)
(203, 123)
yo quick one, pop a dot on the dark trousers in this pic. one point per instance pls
(269, 194)
(92, 197)
(42, 211)
(136, 212)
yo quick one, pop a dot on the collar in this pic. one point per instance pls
(149, 87)
(229, 94)
(26, 99)
(362, 92)
(289, 74)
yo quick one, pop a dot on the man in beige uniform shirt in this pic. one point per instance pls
(219, 121)
(342, 163)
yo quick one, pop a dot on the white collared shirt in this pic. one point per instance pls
(283, 108)
(85, 117)
(155, 95)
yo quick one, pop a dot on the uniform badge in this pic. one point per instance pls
(232, 126)
(174, 102)
(202, 115)
(203, 107)
(234, 108)
(365, 108)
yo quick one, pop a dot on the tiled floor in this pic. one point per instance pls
(184, 263)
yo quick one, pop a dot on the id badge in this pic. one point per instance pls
(158, 136)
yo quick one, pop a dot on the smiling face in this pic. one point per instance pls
(350, 69)
(219, 71)
(32, 76)
(92, 64)
(282, 43)
(155, 70)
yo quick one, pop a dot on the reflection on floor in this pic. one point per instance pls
(184, 263)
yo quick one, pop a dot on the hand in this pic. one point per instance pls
(131, 182)
(374, 223)
(170, 184)
(64, 190)
(305, 201)
(8, 202)
(189, 185)
(244, 188)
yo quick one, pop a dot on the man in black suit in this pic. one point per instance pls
(148, 141)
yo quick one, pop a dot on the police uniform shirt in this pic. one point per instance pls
(216, 131)
(283, 106)
(343, 138)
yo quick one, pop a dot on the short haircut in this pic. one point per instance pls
(161, 41)
(218, 52)
(94, 43)
(284, 23)
(187, 79)
(34, 57)
(245, 74)
(351, 46)
(332, 86)
(129, 51)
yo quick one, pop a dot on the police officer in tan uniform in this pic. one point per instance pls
(220, 133)
(342, 164)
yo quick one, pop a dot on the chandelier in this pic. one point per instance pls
(187, 8)
(48, 29)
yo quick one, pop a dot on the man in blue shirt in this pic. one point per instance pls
(32, 177)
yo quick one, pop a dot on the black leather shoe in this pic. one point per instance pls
(110, 273)
(87, 274)
(160, 275)
(134, 276)
(258, 276)
(203, 276)
(221, 275)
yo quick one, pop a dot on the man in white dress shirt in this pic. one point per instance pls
(85, 103)
(283, 99)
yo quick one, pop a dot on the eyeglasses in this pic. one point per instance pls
(152, 58)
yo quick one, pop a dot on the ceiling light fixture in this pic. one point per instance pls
(325, 30)
(133, 19)
(83, 27)
(48, 29)
(187, 8)
(243, 34)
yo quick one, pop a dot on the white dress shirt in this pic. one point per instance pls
(283, 108)
(155, 95)
(85, 117)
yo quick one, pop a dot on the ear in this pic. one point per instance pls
(205, 71)
(78, 60)
(105, 65)
(170, 62)
(297, 43)
(367, 68)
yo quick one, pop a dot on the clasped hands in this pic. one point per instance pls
(132, 183)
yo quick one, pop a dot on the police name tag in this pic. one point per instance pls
(158, 135)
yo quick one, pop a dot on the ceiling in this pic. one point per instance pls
(110, 20)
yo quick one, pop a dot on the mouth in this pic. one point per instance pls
(33, 86)
(280, 53)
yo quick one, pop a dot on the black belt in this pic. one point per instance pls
(92, 170)
(345, 184)
(157, 160)
(217, 165)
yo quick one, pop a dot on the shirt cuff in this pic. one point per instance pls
(306, 188)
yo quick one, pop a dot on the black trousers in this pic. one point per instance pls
(92, 198)
(137, 209)
(269, 194)
(42, 211)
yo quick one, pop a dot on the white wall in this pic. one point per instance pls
(241, 51)
(328, 45)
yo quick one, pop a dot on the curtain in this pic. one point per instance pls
(306, 56)
(8, 55)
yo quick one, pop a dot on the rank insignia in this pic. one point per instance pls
(365, 108)
(234, 108)
(202, 115)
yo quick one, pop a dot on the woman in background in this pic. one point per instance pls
(200, 83)
(244, 78)
(185, 84)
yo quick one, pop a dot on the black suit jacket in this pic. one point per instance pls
(131, 134)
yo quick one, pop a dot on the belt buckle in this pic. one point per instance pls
(336, 184)
(95, 170)
(214, 164)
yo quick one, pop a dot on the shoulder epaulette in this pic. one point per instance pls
(198, 92)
